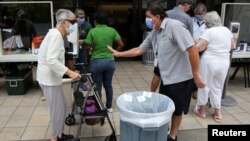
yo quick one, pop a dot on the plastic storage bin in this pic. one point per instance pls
(19, 82)
(144, 116)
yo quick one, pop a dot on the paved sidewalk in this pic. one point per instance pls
(183, 135)
(26, 117)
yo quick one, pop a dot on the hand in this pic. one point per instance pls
(81, 42)
(115, 52)
(198, 81)
(74, 75)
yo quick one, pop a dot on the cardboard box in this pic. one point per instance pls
(19, 82)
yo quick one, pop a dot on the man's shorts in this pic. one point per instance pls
(180, 93)
(157, 71)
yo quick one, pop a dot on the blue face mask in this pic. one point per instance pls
(71, 28)
(199, 17)
(149, 23)
(81, 20)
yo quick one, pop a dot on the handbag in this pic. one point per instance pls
(91, 108)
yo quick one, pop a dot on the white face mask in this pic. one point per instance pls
(81, 20)
(149, 23)
(71, 28)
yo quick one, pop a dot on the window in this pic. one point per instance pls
(239, 13)
(28, 19)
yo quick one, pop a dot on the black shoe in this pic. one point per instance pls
(171, 139)
(65, 137)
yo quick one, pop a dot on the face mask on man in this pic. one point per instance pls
(81, 20)
(149, 23)
(71, 28)
(199, 17)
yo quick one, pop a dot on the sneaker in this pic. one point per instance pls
(171, 139)
(65, 137)
(110, 110)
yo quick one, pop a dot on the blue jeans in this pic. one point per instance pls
(82, 58)
(102, 73)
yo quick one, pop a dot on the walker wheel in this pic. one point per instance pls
(112, 137)
(70, 120)
(102, 121)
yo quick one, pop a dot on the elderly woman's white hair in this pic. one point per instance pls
(64, 14)
(212, 19)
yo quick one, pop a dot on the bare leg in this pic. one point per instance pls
(202, 109)
(199, 110)
(194, 94)
(155, 83)
(217, 112)
(217, 115)
(175, 124)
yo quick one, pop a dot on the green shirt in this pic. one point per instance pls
(99, 37)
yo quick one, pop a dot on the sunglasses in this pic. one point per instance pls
(71, 21)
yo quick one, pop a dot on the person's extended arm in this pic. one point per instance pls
(201, 45)
(129, 53)
(194, 61)
(120, 45)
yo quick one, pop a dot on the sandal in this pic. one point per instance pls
(217, 118)
(196, 110)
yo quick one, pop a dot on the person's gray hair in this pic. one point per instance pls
(200, 9)
(64, 14)
(212, 19)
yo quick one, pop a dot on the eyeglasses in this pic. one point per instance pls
(71, 21)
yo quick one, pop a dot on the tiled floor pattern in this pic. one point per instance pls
(26, 117)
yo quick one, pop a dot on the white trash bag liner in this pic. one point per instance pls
(145, 109)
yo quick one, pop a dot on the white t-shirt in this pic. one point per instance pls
(219, 42)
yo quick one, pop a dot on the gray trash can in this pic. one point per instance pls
(144, 116)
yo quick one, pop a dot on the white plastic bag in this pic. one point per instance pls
(13, 42)
(145, 109)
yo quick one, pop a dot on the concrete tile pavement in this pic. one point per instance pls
(26, 117)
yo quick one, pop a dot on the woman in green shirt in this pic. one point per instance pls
(102, 63)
